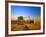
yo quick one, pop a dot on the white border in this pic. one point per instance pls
(23, 32)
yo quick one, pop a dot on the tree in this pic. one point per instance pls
(20, 18)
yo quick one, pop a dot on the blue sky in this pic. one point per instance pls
(25, 11)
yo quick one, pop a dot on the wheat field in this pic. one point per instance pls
(34, 24)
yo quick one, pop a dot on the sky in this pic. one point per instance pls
(25, 11)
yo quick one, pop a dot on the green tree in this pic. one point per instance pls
(20, 18)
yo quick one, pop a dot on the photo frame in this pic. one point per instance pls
(11, 6)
